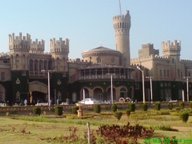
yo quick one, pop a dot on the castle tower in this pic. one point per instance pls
(122, 24)
(19, 47)
(37, 46)
(172, 49)
(59, 50)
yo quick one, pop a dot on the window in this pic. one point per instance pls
(160, 73)
(113, 60)
(31, 65)
(123, 92)
(164, 73)
(167, 73)
(98, 60)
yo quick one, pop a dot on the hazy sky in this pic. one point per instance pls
(88, 23)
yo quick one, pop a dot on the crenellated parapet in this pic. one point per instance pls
(151, 57)
(59, 47)
(185, 61)
(37, 46)
(78, 61)
(19, 43)
(122, 23)
(171, 48)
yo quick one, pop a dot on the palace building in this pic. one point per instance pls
(28, 72)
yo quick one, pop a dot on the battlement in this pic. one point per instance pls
(122, 21)
(176, 45)
(150, 58)
(59, 46)
(122, 17)
(4, 55)
(78, 61)
(186, 61)
(37, 46)
(19, 43)
(12, 37)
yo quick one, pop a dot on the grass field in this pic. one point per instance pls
(50, 129)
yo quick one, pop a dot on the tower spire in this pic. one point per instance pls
(120, 7)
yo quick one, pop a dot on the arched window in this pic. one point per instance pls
(36, 65)
(98, 94)
(31, 65)
(45, 65)
(41, 65)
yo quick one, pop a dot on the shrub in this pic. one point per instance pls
(158, 106)
(145, 106)
(59, 110)
(131, 106)
(128, 112)
(37, 110)
(97, 108)
(74, 109)
(184, 116)
(114, 107)
(118, 115)
(170, 106)
(182, 105)
(190, 105)
(123, 134)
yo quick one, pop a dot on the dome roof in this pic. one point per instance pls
(100, 50)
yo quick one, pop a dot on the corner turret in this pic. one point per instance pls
(59, 50)
(37, 46)
(19, 50)
(19, 43)
(172, 49)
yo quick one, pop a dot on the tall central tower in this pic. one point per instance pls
(122, 24)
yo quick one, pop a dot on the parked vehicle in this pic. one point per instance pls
(88, 101)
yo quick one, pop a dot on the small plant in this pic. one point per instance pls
(131, 106)
(37, 110)
(114, 107)
(170, 106)
(74, 109)
(182, 105)
(118, 115)
(128, 112)
(145, 106)
(158, 106)
(97, 108)
(184, 116)
(59, 110)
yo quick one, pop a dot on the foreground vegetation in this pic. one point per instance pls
(53, 128)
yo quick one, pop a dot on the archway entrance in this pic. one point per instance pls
(38, 92)
(38, 97)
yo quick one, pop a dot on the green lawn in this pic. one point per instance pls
(49, 129)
